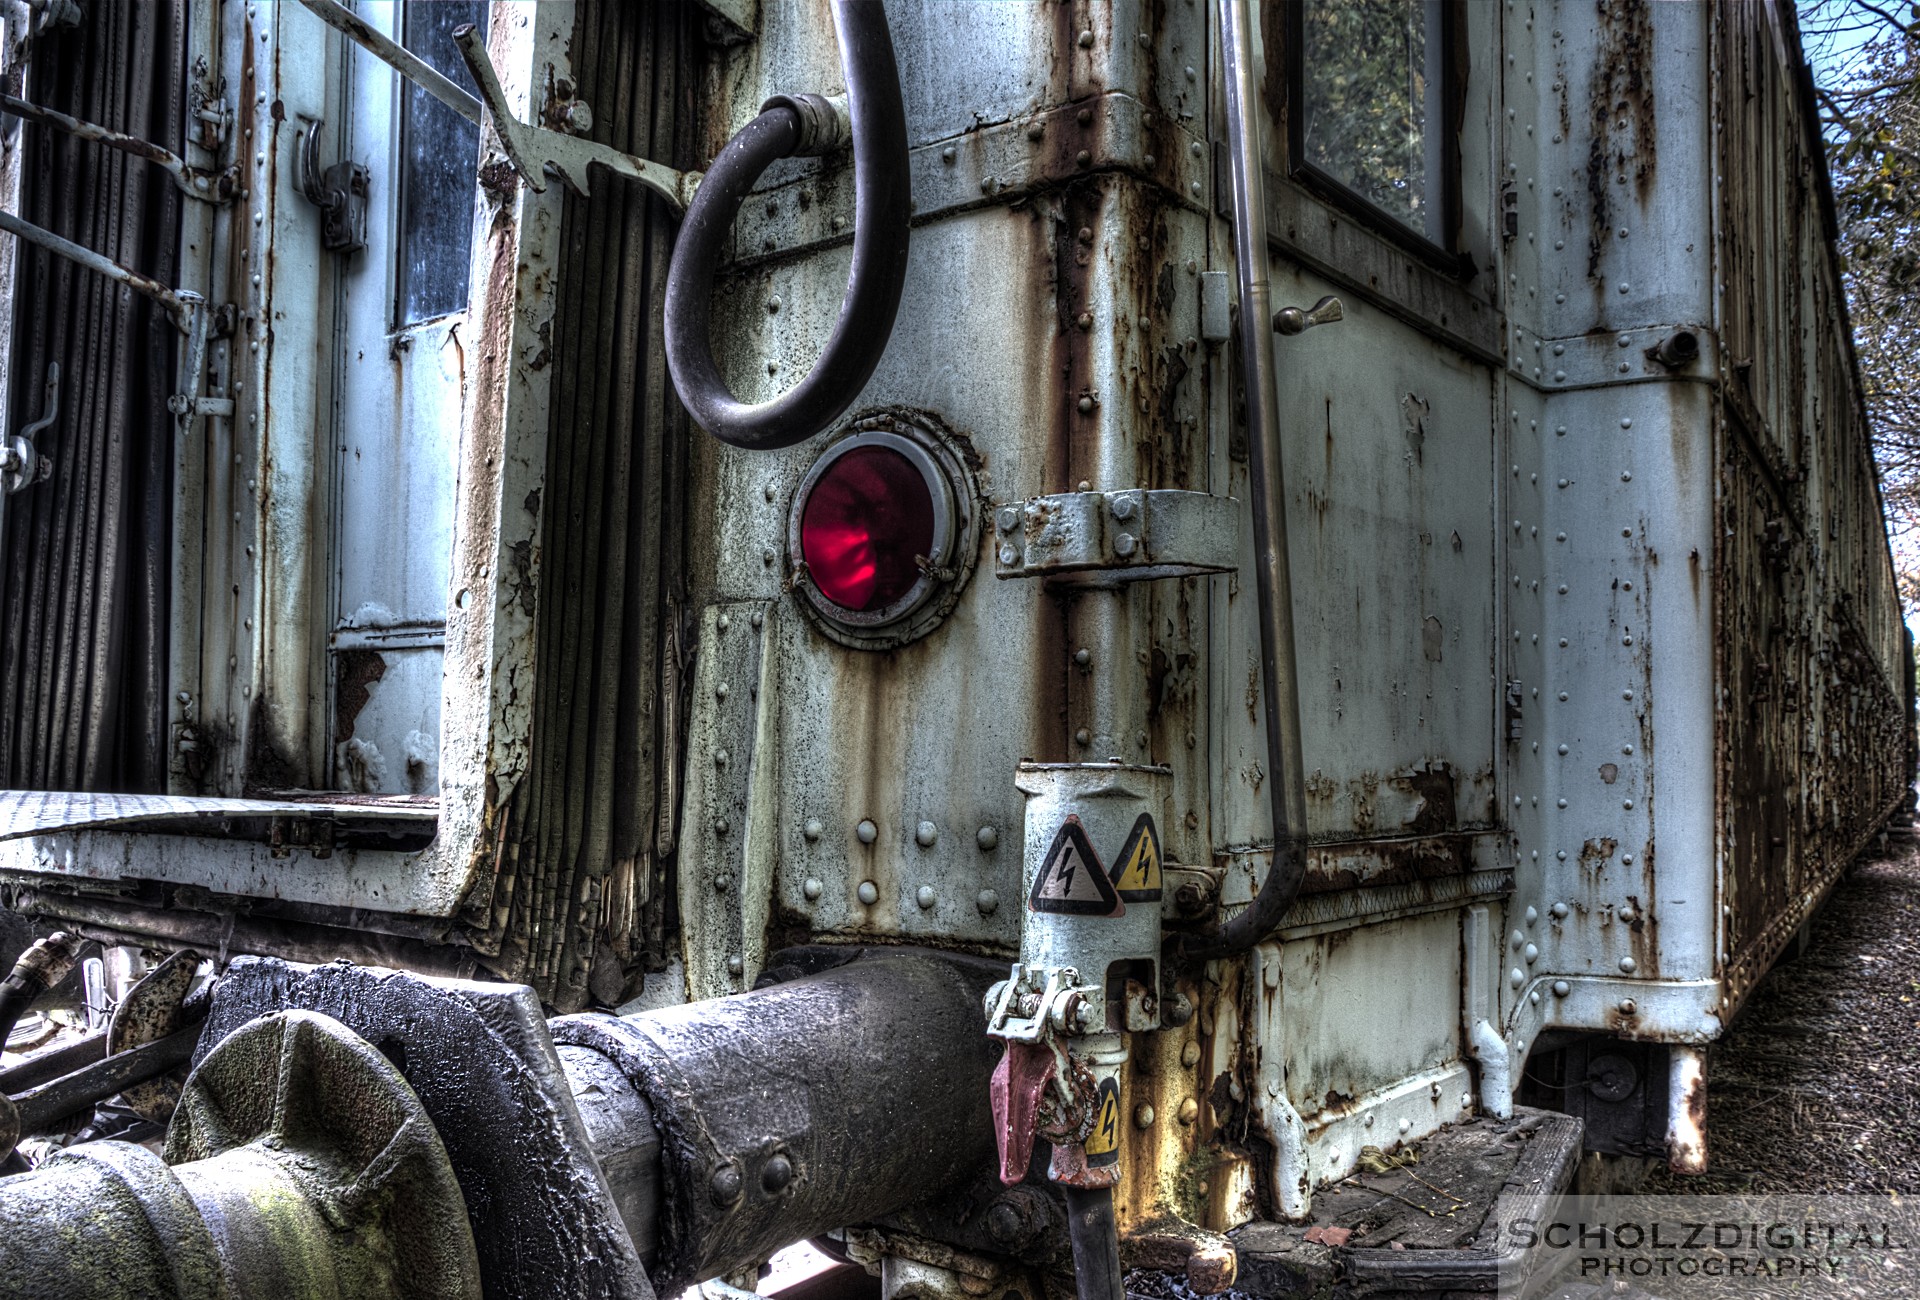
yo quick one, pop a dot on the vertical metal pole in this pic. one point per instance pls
(1279, 677)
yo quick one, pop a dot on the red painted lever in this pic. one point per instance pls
(1018, 1083)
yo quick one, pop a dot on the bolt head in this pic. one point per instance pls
(987, 901)
(925, 834)
(1143, 1116)
(735, 965)
(924, 896)
(866, 831)
(813, 830)
(868, 893)
(725, 1184)
(1561, 988)
(776, 1174)
(1123, 508)
(1628, 1006)
(812, 889)
(987, 838)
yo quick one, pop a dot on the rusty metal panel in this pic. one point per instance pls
(1814, 738)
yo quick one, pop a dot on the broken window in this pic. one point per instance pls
(438, 148)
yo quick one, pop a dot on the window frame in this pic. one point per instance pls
(1330, 189)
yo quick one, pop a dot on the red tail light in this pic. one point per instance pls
(866, 527)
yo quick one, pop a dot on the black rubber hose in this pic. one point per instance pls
(880, 238)
(1096, 1244)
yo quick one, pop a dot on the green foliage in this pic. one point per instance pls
(1366, 99)
(1871, 115)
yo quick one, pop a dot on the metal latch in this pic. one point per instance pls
(1124, 536)
(340, 192)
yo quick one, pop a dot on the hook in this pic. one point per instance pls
(21, 465)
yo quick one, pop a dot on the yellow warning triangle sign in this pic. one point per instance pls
(1103, 1144)
(1136, 872)
(1071, 880)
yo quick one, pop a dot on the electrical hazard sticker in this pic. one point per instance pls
(1071, 880)
(1136, 872)
(1103, 1144)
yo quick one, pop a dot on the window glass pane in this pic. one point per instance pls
(1370, 106)
(439, 150)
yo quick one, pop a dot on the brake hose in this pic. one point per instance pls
(802, 125)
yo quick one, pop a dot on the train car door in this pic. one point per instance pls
(399, 377)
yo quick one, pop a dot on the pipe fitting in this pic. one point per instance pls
(825, 126)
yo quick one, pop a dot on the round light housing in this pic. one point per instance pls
(881, 534)
(867, 529)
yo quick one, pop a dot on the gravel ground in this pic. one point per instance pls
(1816, 1087)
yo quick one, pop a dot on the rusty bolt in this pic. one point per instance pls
(1084, 320)
(1189, 898)
(1189, 1111)
(1083, 157)
(1143, 1116)
(1084, 116)
(1036, 129)
(1190, 1055)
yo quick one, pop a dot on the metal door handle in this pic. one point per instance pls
(1291, 320)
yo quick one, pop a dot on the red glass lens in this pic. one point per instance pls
(868, 516)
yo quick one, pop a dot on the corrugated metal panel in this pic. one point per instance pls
(83, 655)
(582, 886)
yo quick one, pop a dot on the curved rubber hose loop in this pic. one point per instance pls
(880, 235)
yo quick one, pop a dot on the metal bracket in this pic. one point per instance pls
(21, 464)
(340, 192)
(1035, 1001)
(1125, 536)
(532, 151)
(194, 182)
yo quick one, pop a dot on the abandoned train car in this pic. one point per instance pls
(1032, 623)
